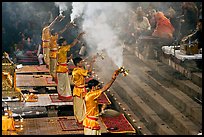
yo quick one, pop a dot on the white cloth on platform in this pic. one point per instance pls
(179, 54)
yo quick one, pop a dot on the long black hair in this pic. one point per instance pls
(77, 60)
(60, 41)
(92, 83)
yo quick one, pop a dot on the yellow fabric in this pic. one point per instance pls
(7, 123)
(45, 36)
(78, 77)
(92, 110)
(53, 44)
(62, 58)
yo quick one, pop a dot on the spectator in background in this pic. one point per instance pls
(171, 15)
(152, 19)
(164, 29)
(190, 12)
(141, 24)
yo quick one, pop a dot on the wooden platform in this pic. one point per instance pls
(45, 100)
(44, 126)
(32, 69)
(34, 81)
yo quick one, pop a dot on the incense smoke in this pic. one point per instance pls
(62, 6)
(77, 9)
(98, 23)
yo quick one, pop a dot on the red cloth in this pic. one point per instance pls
(120, 123)
(54, 99)
(69, 124)
(164, 28)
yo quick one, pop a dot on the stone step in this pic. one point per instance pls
(179, 100)
(174, 96)
(120, 104)
(197, 78)
(183, 84)
(164, 109)
(192, 90)
(146, 116)
(135, 87)
(139, 71)
(140, 108)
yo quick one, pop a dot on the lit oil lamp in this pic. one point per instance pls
(124, 71)
(61, 16)
(101, 55)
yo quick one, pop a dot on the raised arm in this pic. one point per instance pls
(108, 85)
(53, 22)
(66, 27)
(77, 39)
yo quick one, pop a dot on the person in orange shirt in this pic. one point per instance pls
(90, 123)
(63, 82)
(79, 91)
(164, 28)
(46, 40)
(53, 50)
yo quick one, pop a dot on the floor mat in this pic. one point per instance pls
(69, 124)
(118, 124)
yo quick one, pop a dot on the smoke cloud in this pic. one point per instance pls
(62, 6)
(77, 10)
(99, 21)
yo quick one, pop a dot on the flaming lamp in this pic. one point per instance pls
(124, 71)
(61, 15)
(101, 55)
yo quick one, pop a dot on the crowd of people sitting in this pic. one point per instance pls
(169, 26)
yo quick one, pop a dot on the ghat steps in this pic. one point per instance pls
(157, 97)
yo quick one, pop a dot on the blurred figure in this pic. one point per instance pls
(152, 19)
(141, 24)
(164, 28)
(40, 55)
(171, 15)
(196, 36)
(190, 12)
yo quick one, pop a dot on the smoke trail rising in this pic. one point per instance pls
(77, 9)
(100, 34)
(62, 6)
